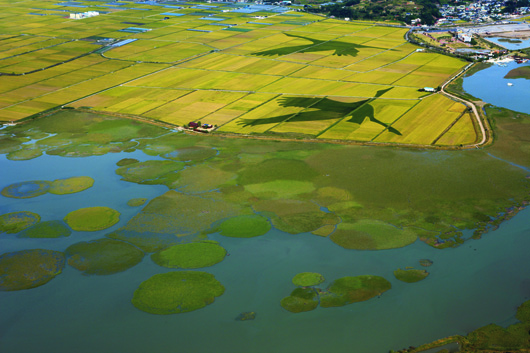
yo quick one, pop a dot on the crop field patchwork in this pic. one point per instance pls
(246, 70)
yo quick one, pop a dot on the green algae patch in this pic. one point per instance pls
(280, 189)
(29, 268)
(426, 262)
(92, 219)
(103, 256)
(347, 290)
(523, 312)
(177, 292)
(136, 202)
(300, 300)
(200, 178)
(26, 189)
(245, 226)
(276, 169)
(182, 214)
(15, 222)
(372, 235)
(126, 161)
(29, 189)
(246, 315)
(324, 231)
(151, 172)
(190, 255)
(306, 279)
(48, 229)
(194, 154)
(24, 154)
(146, 241)
(70, 185)
(410, 275)
(295, 216)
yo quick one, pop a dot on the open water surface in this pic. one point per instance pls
(510, 43)
(491, 86)
(480, 282)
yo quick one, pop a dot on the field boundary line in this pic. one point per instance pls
(451, 125)
(392, 123)
(257, 106)
(295, 114)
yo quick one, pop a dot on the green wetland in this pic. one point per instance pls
(324, 225)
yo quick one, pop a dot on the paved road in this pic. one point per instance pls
(469, 104)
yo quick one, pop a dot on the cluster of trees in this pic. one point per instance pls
(510, 6)
(426, 10)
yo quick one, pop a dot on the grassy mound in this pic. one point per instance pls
(29, 268)
(190, 255)
(15, 222)
(280, 189)
(103, 256)
(372, 235)
(26, 189)
(151, 172)
(182, 214)
(306, 279)
(126, 161)
(246, 315)
(70, 185)
(523, 312)
(24, 154)
(411, 275)
(426, 262)
(203, 177)
(48, 229)
(91, 219)
(295, 216)
(136, 202)
(245, 226)
(177, 292)
(349, 290)
(496, 338)
(300, 300)
(146, 241)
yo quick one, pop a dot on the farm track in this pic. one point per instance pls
(486, 138)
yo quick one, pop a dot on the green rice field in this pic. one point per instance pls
(245, 73)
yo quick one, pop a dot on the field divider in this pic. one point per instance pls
(384, 51)
(295, 114)
(451, 125)
(32, 51)
(161, 105)
(346, 116)
(248, 111)
(64, 88)
(392, 123)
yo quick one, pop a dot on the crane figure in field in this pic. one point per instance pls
(316, 45)
(360, 112)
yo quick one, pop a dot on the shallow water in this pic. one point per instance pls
(480, 282)
(491, 86)
(512, 43)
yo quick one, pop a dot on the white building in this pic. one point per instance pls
(80, 15)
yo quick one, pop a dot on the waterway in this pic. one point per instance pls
(510, 43)
(490, 86)
(480, 282)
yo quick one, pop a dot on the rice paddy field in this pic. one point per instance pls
(247, 70)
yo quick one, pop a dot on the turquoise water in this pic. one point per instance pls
(512, 44)
(491, 86)
(480, 282)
